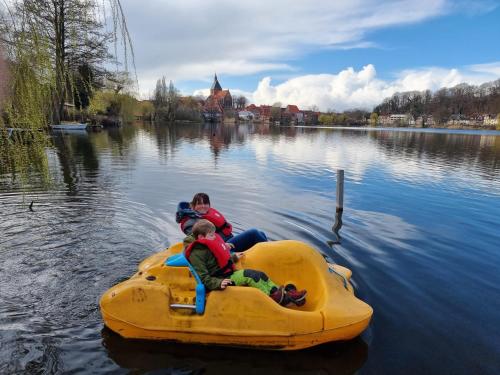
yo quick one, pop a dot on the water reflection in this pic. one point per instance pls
(457, 151)
(337, 225)
(76, 155)
(23, 159)
(341, 358)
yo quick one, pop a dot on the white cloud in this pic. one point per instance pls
(491, 68)
(190, 39)
(350, 89)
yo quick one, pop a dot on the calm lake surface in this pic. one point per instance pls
(421, 235)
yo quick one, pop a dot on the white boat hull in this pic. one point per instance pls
(69, 127)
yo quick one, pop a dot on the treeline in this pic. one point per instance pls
(349, 117)
(169, 106)
(463, 99)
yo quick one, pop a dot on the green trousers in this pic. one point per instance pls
(255, 279)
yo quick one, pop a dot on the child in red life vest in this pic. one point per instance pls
(210, 257)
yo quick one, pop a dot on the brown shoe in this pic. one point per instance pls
(297, 296)
(279, 296)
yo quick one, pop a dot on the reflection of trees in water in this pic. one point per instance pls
(454, 150)
(220, 136)
(23, 158)
(73, 151)
(120, 140)
(441, 148)
(165, 136)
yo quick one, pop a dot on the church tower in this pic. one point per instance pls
(217, 102)
(215, 86)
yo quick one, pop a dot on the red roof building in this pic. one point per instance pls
(292, 109)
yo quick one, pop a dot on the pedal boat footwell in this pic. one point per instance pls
(142, 307)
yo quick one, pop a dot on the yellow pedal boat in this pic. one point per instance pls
(162, 301)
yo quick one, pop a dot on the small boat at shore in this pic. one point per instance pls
(165, 300)
(69, 126)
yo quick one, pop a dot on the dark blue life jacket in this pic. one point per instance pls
(185, 211)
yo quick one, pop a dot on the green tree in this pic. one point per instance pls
(498, 122)
(146, 109)
(172, 102)
(325, 119)
(114, 105)
(374, 119)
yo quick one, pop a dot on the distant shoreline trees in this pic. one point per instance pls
(463, 99)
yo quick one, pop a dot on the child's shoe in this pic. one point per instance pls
(296, 296)
(289, 287)
(280, 296)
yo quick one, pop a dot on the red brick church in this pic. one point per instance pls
(218, 101)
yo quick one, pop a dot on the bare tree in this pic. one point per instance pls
(240, 102)
(165, 100)
(462, 100)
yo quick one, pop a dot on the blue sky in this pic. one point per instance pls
(336, 56)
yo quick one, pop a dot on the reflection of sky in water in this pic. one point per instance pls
(320, 153)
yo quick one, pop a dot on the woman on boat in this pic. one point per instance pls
(199, 208)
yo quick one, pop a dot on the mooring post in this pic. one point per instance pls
(340, 190)
(340, 206)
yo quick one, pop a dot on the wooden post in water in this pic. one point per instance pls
(340, 206)
(340, 190)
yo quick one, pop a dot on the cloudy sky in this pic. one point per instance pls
(333, 54)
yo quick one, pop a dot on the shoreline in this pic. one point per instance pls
(467, 130)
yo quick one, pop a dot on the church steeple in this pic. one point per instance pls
(215, 86)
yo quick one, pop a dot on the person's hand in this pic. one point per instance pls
(225, 283)
(229, 246)
(239, 255)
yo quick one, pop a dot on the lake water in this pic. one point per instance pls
(420, 233)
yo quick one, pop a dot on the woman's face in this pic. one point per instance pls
(201, 207)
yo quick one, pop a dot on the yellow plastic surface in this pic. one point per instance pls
(140, 308)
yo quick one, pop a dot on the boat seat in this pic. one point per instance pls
(179, 260)
(295, 263)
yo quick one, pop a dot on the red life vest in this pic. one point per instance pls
(216, 218)
(219, 249)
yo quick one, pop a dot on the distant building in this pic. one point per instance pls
(402, 119)
(459, 119)
(490, 120)
(218, 101)
(261, 113)
(245, 115)
(424, 121)
(311, 117)
(294, 114)
(254, 110)
(384, 120)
